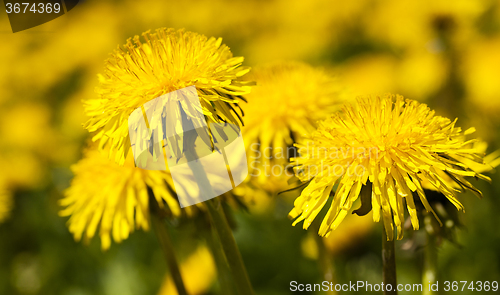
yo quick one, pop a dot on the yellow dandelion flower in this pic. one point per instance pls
(5, 204)
(381, 150)
(168, 60)
(290, 97)
(114, 198)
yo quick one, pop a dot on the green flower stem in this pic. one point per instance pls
(233, 255)
(227, 285)
(429, 275)
(223, 272)
(168, 250)
(389, 263)
(221, 226)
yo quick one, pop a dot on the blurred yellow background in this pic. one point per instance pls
(443, 53)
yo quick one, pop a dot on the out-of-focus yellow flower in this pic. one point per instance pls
(198, 273)
(29, 142)
(114, 198)
(39, 71)
(479, 70)
(25, 169)
(290, 97)
(382, 148)
(240, 17)
(169, 60)
(304, 30)
(417, 73)
(27, 126)
(412, 24)
(72, 111)
(420, 73)
(5, 204)
(369, 74)
(263, 31)
(36, 64)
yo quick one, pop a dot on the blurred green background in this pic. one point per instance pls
(443, 53)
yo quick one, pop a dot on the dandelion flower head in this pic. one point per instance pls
(288, 100)
(114, 199)
(167, 60)
(381, 150)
